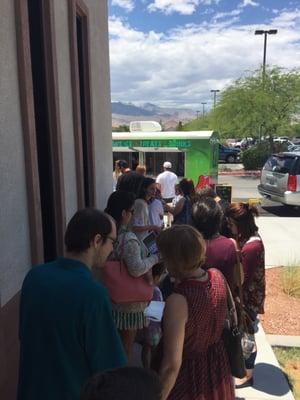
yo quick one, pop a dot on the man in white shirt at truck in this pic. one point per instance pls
(166, 182)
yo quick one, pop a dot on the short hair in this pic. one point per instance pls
(183, 247)
(207, 217)
(117, 202)
(122, 163)
(243, 215)
(140, 169)
(128, 383)
(207, 191)
(84, 226)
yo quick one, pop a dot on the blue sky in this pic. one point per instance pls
(172, 52)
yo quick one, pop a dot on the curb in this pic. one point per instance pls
(269, 380)
(283, 340)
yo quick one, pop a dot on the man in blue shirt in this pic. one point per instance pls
(66, 329)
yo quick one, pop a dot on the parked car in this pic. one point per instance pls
(284, 141)
(280, 178)
(245, 143)
(294, 147)
(229, 154)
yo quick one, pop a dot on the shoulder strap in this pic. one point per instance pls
(231, 308)
(238, 272)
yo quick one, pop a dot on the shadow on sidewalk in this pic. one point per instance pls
(269, 379)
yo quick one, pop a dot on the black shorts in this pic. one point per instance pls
(168, 199)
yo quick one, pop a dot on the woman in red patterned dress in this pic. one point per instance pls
(195, 364)
(242, 225)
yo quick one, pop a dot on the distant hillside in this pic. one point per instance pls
(129, 109)
(123, 113)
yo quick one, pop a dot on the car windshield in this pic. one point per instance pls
(277, 163)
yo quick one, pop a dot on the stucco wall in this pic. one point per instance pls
(14, 231)
(61, 23)
(100, 86)
(101, 108)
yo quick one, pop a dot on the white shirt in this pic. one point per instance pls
(156, 212)
(140, 217)
(167, 181)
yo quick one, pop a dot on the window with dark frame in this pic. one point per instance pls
(81, 93)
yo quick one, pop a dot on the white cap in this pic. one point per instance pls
(167, 164)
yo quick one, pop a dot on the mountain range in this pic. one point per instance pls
(123, 113)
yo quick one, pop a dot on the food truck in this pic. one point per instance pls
(193, 154)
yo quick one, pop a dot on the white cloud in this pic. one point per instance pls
(181, 66)
(246, 3)
(128, 5)
(221, 15)
(185, 7)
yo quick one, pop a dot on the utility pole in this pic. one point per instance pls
(203, 108)
(215, 91)
(197, 114)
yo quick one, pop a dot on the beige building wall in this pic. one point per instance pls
(61, 22)
(100, 87)
(15, 260)
(101, 101)
(14, 232)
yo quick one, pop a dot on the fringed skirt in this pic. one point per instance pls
(129, 316)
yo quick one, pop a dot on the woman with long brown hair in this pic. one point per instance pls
(241, 222)
(182, 211)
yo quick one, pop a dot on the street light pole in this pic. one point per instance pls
(197, 114)
(203, 109)
(265, 33)
(215, 91)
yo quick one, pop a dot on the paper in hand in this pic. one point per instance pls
(155, 310)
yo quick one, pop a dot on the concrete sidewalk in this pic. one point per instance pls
(281, 240)
(269, 381)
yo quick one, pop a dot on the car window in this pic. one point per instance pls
(280, 164)
(298, 166)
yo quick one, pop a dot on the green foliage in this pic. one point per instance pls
(295, 130)
(255, 107)
(121, 128)
(256, 156)
(199, 124)
(179, 127)
(289, 360)
(291, 280)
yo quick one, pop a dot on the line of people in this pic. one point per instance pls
(72, 333)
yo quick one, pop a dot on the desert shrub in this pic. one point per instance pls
(256, 156)
(291, 281)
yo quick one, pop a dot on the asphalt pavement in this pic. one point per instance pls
(278, 225)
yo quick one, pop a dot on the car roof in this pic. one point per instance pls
(288, 153)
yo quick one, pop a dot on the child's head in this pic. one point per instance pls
(158, 272)
(128, 383)
(178, 190)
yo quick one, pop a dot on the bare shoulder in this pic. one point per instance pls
(176, 305)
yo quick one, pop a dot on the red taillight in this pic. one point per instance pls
(292, 183)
